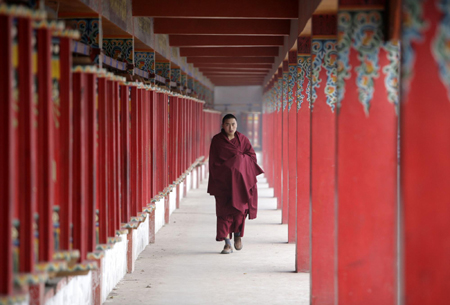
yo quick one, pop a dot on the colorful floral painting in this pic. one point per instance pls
(441, 44)
(412, 32)
(89, 30)
(145, 61)
(303, 80)
(391, 72)
(291, 84)
(175, 75)
(362, 31)
(163, 69)
(285, 89)
(120, 49)
(324, 55)
(279, 94)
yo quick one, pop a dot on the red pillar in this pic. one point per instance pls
(367, 159)
(278, 136)
(79, 164)
(284, 146)
(153, 140)
(27, 147)
(7, 156)
(292, 145)
(303, 154)
(323, 227)
(118, 177)
(91, 130)
(103, 156)
(111, 139)
(125, 134)
(425, 151)
(140, 151)
(45, 184)
(64, 167)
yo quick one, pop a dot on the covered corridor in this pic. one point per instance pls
(107, 111)
(183, 266)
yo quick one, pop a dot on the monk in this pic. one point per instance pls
(232, 180)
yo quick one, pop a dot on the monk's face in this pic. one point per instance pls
(230, 126)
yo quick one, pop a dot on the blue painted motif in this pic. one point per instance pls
(285, 89)
(145, 61)
(120, 49)
(441, 44)
(291, 84)
(412, 32)
(303, 75)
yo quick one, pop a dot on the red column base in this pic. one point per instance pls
(130, 256)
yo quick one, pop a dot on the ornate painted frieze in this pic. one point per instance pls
(285, 89)
(303, 80)
(118, 48)
(145, 61)
(324, 55)
(291, 84)
(89, 30)
(413, 30)
(175, 75)
(183, 79)
(362, 31)
(391, 72)
(163, 69)
(441, 44)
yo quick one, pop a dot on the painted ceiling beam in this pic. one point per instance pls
(214, 40)
(233, 66)
(220, 51)
(242, 60)
(216, 9)
(264, 27)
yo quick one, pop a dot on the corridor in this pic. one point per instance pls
(184, 265)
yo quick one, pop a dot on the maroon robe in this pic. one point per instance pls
(232, 177)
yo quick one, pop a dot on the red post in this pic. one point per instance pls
(45, 184)
(79, 164)
(292, 146)
(367, 160)
(111, 158)
(91, 135)
(153, 140)
(64, 168)
(125, 153)
(278, 141)
(141, 155)
(118, 177)
(425, 151)
(134, 151)
(27, 147)
(284, 145)
(7, 156)
(323, 236)
(303, 154)
(103, 159)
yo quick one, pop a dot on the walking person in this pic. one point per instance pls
(232, 180)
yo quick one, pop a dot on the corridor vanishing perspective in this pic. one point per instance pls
(107, 111)
(184, 267)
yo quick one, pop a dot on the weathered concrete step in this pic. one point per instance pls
(265, 193)
(267, 203)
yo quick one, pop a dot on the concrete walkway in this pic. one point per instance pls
(184, 265)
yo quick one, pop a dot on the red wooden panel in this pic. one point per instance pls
(285, 147)
(303, 245)
(45, 142)
(7, 156)
(117, 175)
(134, 119)
(125, 133)
(367, 174)
(80, 176)
(278, 148)
(65, 167)
(146, 133)
(140, 150)
(111, 162)
(425, 149)
(27, 147)
(92, 151)
(292, 146)
(323, 133)
(153, 140)
(103, 158)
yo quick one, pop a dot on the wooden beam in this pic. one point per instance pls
(230, 51)
(222, 26)
(213, 40)
(233, 66)
(217, 9)
(241, 60)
